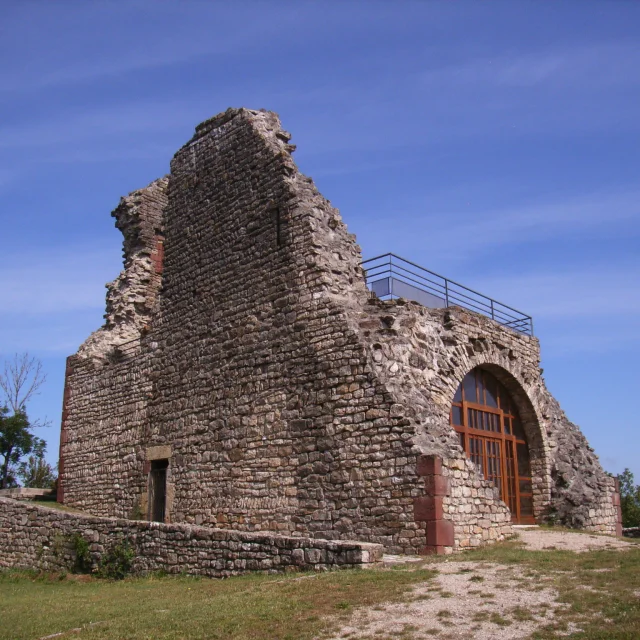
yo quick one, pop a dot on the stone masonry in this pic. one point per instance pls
(35, 537)
(242, 346)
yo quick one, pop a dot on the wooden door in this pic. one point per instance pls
(158, 490)
(491, 434)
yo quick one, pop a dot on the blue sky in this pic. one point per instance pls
(497, 143)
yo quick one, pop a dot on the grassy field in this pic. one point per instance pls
(292, 607)
(601, 587)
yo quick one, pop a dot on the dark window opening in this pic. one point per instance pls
(158, 490)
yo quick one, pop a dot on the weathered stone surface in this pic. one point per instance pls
(131, 297)
(35, 537)
(291, 401)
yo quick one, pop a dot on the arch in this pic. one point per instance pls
(500, 431)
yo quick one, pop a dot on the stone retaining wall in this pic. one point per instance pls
(35, 537)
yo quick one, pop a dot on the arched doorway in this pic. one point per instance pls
(491, 434)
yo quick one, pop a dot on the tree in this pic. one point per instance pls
(16, 440)
(36, 472)
(629, 499)
(20, 380)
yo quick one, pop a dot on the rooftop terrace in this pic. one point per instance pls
(389, 276)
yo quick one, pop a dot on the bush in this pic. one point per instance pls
(117, 562)
(629, 499)
(82, 562)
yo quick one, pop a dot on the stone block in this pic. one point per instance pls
(437, 486)
(427, 508)
(429, 466)
(440, 533)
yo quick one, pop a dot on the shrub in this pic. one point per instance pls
(117, 562)
(80, 546)
(629, 499)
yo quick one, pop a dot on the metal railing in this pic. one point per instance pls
(390, 276)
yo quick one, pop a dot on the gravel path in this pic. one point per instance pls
(540, 539)
(475, 600)
(470, 600)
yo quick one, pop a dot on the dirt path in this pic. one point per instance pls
(540, 539)
(469, 600)
(476, 600)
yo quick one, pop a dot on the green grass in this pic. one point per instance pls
(295, 606)
(600, 589)
(52, 504)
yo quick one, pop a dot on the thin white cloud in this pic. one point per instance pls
(582, 293)
(64, 280)
(104, 123)
(591, 67)
(116, 40)
(474, 232)
(534, 222)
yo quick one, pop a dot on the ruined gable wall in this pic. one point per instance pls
(131, 297)
(261, 387)
(107, 384)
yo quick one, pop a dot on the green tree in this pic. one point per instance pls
(629, 499)
(20, 380)
(16, 440)
(36, 472)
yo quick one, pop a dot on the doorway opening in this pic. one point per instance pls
(491, 434)
(158, 490)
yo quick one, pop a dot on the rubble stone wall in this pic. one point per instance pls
(103, 428)
(423, 354)
(285, 398)
(132, 296)
(35, 537)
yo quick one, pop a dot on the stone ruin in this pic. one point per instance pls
(247, 379)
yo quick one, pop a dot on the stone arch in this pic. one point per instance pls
(510, 375)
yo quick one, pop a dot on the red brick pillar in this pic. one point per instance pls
(428, 508)
(157, 255)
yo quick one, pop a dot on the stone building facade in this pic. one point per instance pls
(245, 363)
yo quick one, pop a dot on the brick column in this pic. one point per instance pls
(428, 508)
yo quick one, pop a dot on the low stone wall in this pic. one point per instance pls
(23, 493)
(42, 538)
(631, 532)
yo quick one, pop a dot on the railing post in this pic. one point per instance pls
(493, 317)
(446, 293)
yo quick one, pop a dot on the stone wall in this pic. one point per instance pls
(104, 425)
(35, 537)
(286, 399)
(132, 296)
(422, 356)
